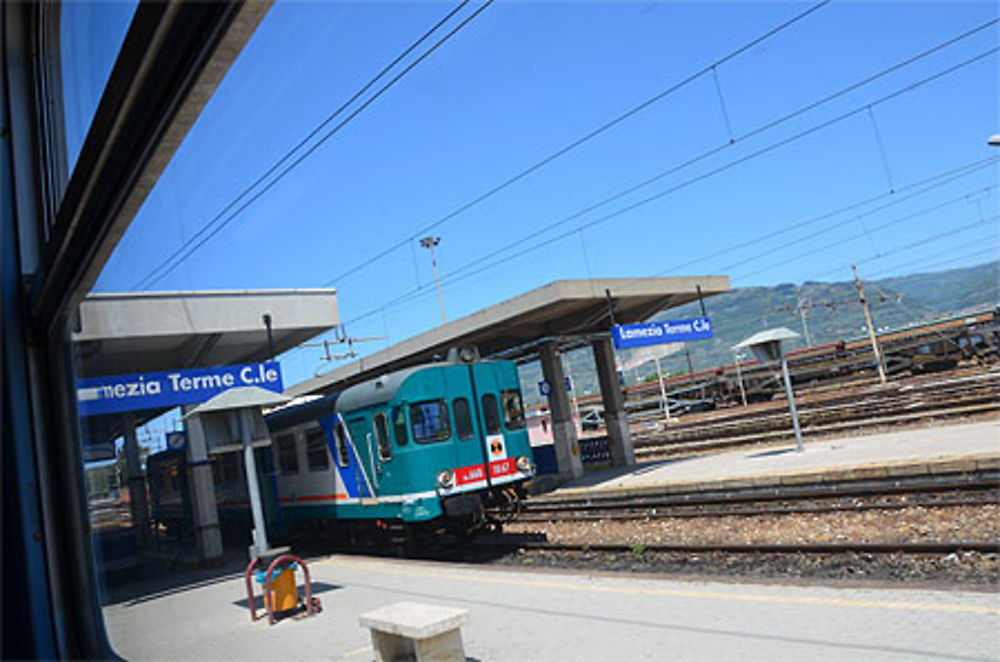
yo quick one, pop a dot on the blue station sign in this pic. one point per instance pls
(626, 336)
(158, 390)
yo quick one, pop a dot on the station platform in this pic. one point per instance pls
(524, 614)
(915, 451)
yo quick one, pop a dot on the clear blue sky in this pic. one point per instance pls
(525, 79)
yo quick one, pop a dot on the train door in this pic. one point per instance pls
(347, 467)
(469, 451)
(383, 453)
(362, 441)
(500, 406)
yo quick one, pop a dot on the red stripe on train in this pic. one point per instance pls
(470, 474)
(502, 468)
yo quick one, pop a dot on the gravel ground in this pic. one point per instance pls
(968, 570)
(917, 524)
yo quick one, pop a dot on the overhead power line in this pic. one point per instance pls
(760, 152)
(949, 232)
(991, 221)
(545, 228)
(835, 226)
(701, 177)
(214, 225)
(921, 187)
(659, 96)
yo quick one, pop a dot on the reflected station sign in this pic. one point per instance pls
(159, 390)
(627, 336)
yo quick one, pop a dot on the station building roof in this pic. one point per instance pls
(564, 311)
(147, 332)
(156, 331)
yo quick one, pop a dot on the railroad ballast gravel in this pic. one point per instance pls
(977, 523)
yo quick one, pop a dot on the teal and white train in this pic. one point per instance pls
(442, 445)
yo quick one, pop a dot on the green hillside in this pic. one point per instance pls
(831, 310)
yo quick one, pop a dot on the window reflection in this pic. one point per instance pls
(91, 34)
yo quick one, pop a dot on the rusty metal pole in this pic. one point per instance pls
(871, 326)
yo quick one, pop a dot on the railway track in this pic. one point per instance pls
(942, 547)
(959, 489)
(829, 414)
(617, 545)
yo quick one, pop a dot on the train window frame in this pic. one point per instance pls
(465, 429)
(281, 446)
(312, 435)
(400, 426)
(382, 439)
(507, 395)
(493, 410)
(342, 442)
(443, 434)
(60, 236)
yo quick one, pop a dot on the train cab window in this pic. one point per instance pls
(382, 438)
(429, 421)
(316, 454)
(491, 415)
(343, 452)
(513, 410)
(288, 459)
(463, 418)
(399, 426)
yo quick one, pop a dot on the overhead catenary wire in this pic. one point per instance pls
(948, 177)
(820, 275)
(924, 262)
(659, 96)
(676, 168)
(881, 226)
(928, 184)
(760, 152)
(450, 278)
(211, 228)
(544, 228)
(950, 231)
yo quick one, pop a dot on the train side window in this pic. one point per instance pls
(316, 456)
(216, 470)
(382, 438)
(429, 421)
(288, 459)
(463, 418)
(343, 452)
(513, 410)
(491, 415)
(399, 426)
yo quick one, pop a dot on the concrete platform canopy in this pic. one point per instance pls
(562, 309)
(542, 323)
(153, 331)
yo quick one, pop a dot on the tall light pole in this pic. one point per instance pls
(431, 242)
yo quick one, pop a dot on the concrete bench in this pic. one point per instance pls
(412, 630)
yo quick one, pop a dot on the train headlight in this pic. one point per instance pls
(445, 479)
(523, 464)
